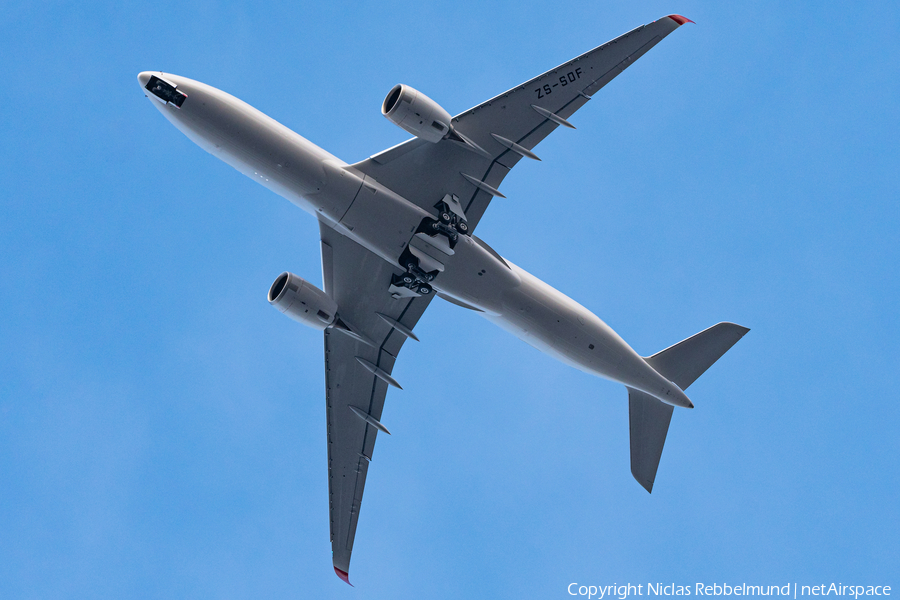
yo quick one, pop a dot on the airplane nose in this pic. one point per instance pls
(143, 78)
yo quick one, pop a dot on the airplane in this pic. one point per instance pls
(398, 228)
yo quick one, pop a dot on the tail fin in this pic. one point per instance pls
(682, 364)
(648, 420)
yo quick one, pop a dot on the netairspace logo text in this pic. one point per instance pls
(791, 590)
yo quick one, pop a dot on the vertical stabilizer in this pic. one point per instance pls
(648, 422)
(682, 364)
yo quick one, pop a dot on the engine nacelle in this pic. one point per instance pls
(416, 113)
(302, 301)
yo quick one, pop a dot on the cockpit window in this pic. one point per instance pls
(165, 91)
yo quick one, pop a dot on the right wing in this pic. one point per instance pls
(423, 172)
(358, 281)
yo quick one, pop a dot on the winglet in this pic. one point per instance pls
(344, 576)
(680, 20)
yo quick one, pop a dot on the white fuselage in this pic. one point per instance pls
(321, 184)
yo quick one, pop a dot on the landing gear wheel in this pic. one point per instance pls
(462, 227)
(408, 279)
(424, 289)
(444, 217)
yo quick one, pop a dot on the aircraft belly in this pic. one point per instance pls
(271, 169)
(552, 322)
(577, 338)
(381, 220)
(255, 145)
(476, 277)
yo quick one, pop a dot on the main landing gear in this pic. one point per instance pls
(406, 285)
(450, 223)
(415, 282)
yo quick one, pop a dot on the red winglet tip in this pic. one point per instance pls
(680, 20)
(344, 576)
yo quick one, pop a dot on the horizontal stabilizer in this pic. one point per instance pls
(687, 360)
(648, 422)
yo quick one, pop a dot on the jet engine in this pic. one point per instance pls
(416, 113)
(302, 301)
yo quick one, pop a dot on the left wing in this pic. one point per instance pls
(358, 281)
(507, 127)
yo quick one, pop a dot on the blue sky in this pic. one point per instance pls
(162, 429)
